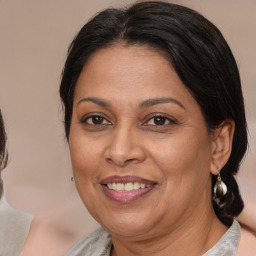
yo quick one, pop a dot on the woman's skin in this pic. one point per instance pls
(133, 120)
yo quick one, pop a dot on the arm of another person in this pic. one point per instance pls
(247, 220)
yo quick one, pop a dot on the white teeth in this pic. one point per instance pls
(136, 185)
(128, 186)
(121, 187)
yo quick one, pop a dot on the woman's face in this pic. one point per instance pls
(140, 148)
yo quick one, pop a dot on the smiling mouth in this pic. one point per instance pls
(126, 189)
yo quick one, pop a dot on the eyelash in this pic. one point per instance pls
(162, 119)
(99, 116)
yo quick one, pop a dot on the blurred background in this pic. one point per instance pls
(34, 37)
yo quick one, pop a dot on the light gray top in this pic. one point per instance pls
(99, 243)
(14, 229)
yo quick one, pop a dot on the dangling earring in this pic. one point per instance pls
(220, 188)
(72, 179)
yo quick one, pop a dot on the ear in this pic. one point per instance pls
(222, 138)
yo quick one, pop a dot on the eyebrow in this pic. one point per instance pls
(145, 104)
(95, 100)
(155, 101)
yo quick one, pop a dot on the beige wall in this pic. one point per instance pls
(34, 36)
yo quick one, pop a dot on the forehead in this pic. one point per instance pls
(121, 59)
(129, 73)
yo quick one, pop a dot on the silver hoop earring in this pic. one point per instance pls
(72, 179)
(220, 188)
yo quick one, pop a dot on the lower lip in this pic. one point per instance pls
(126, 197)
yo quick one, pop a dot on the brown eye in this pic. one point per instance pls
(158, 120)
(96, 120)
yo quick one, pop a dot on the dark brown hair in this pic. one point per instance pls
(3, 152)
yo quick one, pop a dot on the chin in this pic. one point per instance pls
(127, 226)
(126, 231)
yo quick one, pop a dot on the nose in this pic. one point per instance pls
(125, 146)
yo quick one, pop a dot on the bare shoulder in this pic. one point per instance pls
(247, 246)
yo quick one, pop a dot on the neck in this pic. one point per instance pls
(205, 227)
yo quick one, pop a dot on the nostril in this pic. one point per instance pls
(120, 162)
(129, 160)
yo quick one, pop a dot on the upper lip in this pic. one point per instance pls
(126, 179)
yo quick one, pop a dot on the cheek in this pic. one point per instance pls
(183, 157)
(85, 153)
(86, 167)
(185, 173)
